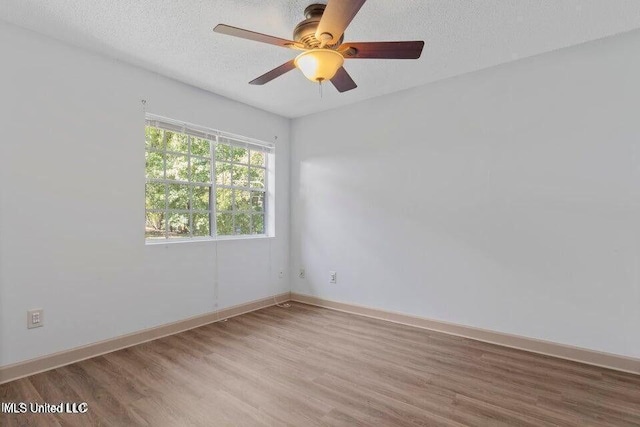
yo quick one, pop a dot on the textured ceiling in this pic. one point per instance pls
(175, 38)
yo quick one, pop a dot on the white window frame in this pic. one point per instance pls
(215, 137)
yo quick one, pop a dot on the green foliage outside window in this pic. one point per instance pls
(179, 187)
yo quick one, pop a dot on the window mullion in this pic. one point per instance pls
(190, 187)
(213, 223)
(233, 209)
(265, 195)
(166, 186)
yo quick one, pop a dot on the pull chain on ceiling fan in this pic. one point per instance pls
(320, 37)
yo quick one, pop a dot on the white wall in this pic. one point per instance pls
(72, 202)
(507, 199)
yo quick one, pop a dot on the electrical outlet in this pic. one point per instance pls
(281, 274)
(302, 273)
(333, 277)
(35, 318)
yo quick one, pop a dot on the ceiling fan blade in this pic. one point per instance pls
(383, 50)
(335, 19)
(276, 72)
(343, 81)
(258, 37)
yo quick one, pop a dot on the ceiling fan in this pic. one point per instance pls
(320, 37)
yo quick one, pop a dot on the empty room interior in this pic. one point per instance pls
(319, 213)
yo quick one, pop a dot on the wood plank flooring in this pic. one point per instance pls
(308, 366)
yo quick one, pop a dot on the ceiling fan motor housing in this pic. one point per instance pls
(305, 31)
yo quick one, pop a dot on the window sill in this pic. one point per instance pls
(205, 239)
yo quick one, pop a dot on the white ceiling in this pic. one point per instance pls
(175, 38)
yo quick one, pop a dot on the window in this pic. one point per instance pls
(202, 183)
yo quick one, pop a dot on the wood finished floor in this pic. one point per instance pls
(307, 366)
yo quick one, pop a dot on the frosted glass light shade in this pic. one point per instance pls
(319, 64)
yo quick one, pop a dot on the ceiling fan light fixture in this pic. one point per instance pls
(319, 64)
(322, 33)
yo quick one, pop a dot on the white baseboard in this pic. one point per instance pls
(55, 360)
(577, 354)
(66, 357)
